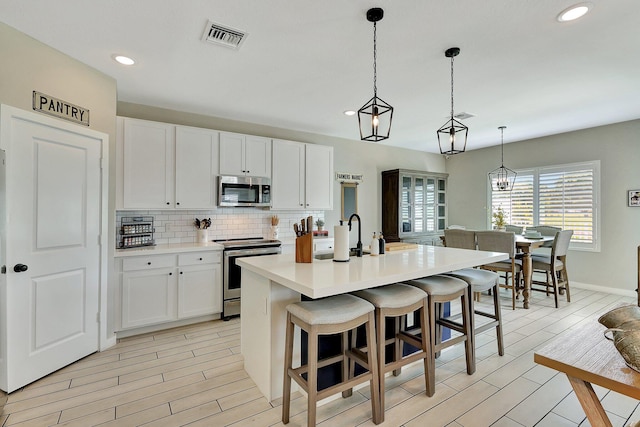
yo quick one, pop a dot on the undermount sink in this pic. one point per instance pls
(329, 255)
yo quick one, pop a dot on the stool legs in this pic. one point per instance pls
(347, 357)
(288, 363)
(312, 377)
(373, 358)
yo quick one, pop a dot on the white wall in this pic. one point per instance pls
(616, 146)
(29, 65)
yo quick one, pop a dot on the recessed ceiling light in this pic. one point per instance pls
(574, 12)
(124, 60)
(349, 113)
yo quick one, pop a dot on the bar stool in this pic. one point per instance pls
(441, 289)
(396, 301)
(481, 281)
(328, 316)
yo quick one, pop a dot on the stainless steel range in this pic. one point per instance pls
(231, 272)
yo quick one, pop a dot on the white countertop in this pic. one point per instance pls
(168, 249)
(323, 278)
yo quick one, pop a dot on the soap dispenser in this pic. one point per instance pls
(375, 246)
(381, 243)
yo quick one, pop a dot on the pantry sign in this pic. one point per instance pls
(58, 108)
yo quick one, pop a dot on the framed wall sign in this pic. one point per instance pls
(633, 198)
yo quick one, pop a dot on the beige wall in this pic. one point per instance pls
(349, 156)
(29, 65)
(616, 146)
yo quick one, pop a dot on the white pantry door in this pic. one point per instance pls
(53, 199)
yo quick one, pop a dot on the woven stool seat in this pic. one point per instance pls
(439, 284)
(331, 310)
(392, 296)
(480, 280)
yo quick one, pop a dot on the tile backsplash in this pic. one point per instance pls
(178, 227)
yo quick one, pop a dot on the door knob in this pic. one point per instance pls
(19, 268)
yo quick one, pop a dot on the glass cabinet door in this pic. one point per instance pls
(419, 199)
(442, 205)
(406, 208)
(422, 204)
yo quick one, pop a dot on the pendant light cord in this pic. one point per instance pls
(502, 146)
(375, 74)
(452, 88)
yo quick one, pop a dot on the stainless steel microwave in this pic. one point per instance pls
(244, 191)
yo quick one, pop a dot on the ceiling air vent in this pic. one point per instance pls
(462, 116)
(224, 36)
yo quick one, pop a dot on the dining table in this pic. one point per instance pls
(525, 246)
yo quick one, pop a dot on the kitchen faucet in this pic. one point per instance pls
(359, 244)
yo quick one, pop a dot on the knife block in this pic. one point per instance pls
(304, 248)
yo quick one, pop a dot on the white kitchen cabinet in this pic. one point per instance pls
(302, 176)
(148, 291)
(245, 155)
(148, 168)
(319, 176)
(167, 166)
(199, 284)
(158, 289)
(196, 168)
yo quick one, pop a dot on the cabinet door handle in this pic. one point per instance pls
(170, 274)
(149, 263)
(168, 203)
(200, 259)
(177, 203)
(181, 272)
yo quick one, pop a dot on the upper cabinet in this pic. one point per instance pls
(302, 176)
(196, 167)
(166, 166)
(413, 204)
(148, 165)
(245, 155)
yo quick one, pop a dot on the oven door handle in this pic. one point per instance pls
(252, 251)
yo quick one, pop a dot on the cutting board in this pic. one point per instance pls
(399, 246)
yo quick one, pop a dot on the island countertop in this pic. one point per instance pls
(323, 278)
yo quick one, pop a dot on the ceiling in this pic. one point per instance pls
(304, 62)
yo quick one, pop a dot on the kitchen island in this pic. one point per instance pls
(271, 282)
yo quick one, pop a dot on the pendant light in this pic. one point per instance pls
(502, 178)
(375, 116)
(452, 136)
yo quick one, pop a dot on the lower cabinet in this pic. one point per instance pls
(148, 297)
(163, 288)
(196, 296)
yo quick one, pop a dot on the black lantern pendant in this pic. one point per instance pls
(502, 178)
(375, 116)
(452, 136)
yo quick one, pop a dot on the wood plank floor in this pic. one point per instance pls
(194, 376)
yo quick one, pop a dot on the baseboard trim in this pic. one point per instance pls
(605, 289)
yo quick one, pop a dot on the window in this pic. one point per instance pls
(564, 196)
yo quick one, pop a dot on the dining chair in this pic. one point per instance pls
(517, 229)
(478, 281)
(554, 266)
(502, 241)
